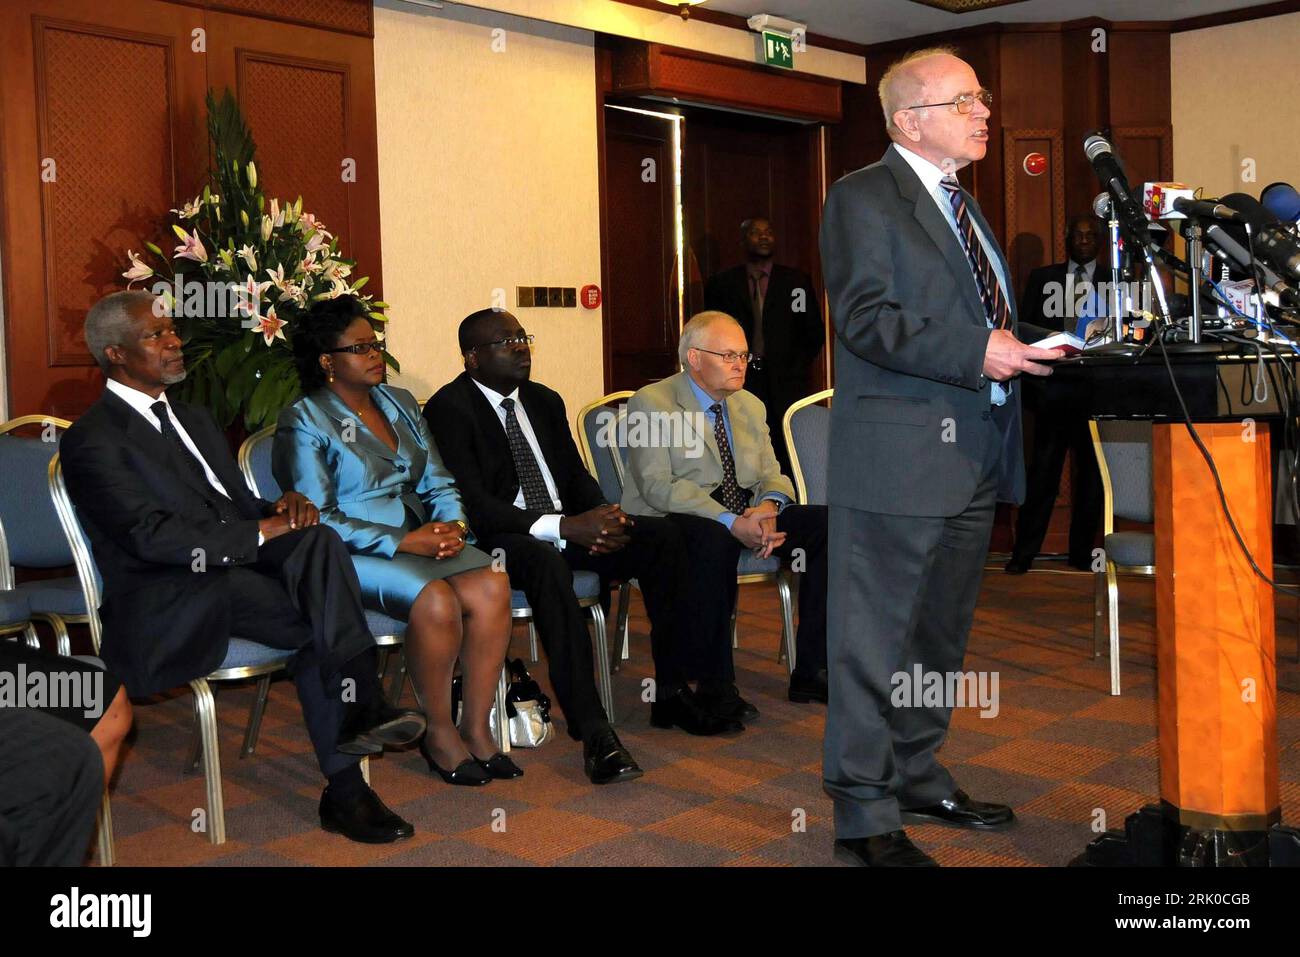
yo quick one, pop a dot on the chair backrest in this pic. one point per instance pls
(807, 425)
(29, 529)
(255, 463)
(598, 432)
(92, 586)
(1124, 456)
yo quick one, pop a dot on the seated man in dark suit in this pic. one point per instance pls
(190, 557)
(507, 442)
(777, 307)
(1060, 419)
(725, 492)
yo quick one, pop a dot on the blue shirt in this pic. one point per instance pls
(706, 402)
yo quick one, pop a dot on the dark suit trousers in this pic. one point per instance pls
(712, 546)
(302, 594)
(1058, 430)
(51, 780)
(905, 594)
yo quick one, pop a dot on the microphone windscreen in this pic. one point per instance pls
(1282, 200)
(1251, 208)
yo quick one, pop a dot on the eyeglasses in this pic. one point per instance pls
(361, 348)
(965, 102)
(751, 359)
(525, 340)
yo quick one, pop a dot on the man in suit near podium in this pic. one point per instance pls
(925, 440)
(1060, 423)
(778, 310)
(189, 558)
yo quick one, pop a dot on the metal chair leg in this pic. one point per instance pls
(398, 684)
(1112, 591)
(196, 739)
(621, 627)
(605, 684)
(503, 720)
(255, 716)
(735, 639)
(365, 769)
(787, 621)
(205, 709)
(107, 856)
(532, 641)
(29, 635)
(1099, 616)
(383, 661)
(62, 642)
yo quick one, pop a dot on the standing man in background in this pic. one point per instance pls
(782, 318)
(925, 440)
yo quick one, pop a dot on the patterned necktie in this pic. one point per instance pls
(995, 303)
(536, 497)
(225, 508)
(729, 494)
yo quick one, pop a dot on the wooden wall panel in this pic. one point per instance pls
(1035, 205)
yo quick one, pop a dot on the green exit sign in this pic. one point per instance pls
(778, 50)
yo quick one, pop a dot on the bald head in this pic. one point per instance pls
(908, 80)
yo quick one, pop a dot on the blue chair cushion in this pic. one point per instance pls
(382, 626)
(57, 596)
(14, 609)
(1131, 548)
(31, 525)
(585, 585)
(749, 565)
(243, 653)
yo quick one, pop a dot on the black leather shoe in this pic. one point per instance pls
(894, 849)
(804, 688)
(364, 819)
(1016, 567)
(606, 760)
(727, 703)
(370, 729)
(469, 773)
(500, 767)
(684, 710)
(961, 811)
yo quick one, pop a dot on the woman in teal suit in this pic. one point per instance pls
(361, 451)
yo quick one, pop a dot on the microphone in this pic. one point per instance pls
(1224, 244)
(1101, 205)
(1274, 244)
(1282, 200)
(1207, 209)
(1111, 174)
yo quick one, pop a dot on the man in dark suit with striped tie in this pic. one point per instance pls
(925, 440)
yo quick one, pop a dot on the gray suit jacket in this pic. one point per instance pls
(907, 430)
(679, 475)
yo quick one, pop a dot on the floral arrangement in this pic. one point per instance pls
(242, 279)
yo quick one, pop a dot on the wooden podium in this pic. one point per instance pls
(1216, 674)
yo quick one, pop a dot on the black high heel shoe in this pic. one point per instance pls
(469, 772)
(499, 766)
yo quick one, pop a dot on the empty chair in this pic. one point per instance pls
(807, 425)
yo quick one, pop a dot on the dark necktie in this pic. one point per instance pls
(536, 497)
(729, 494)
(1080, 279)
(756, 305)
(225, 508)
(995, 303)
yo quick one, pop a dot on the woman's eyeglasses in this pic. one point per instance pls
(361, 348)
(965, 102)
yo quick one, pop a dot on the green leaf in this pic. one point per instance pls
(356, 286)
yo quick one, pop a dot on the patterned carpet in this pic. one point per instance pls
(1061, 750)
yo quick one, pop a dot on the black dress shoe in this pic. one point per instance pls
(804, 688)
(500, 767)
(368, 729)
(1016, 567)
(606, 760)
(684, 710)
(894, 849)
(727, 703)
(961, 811)
(364, 819)
(469, 773)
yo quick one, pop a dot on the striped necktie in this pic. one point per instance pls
(991, 295)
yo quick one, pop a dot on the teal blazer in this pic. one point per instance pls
(365, 491)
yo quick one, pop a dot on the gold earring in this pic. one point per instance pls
(331, 372)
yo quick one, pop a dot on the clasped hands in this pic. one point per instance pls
(600, 530)
(293, 511)
(756, 528)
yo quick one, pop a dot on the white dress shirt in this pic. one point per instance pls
(141, 402)
(546, 528)
(931, 177)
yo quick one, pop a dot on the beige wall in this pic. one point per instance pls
(487, 180)
(1235, 91)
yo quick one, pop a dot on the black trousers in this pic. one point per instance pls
(1060, 427)
(656, 558)
(302, 594)
(51, 780)
(712, 546)
(904, 595)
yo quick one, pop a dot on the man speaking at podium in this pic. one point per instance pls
(925, 440)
